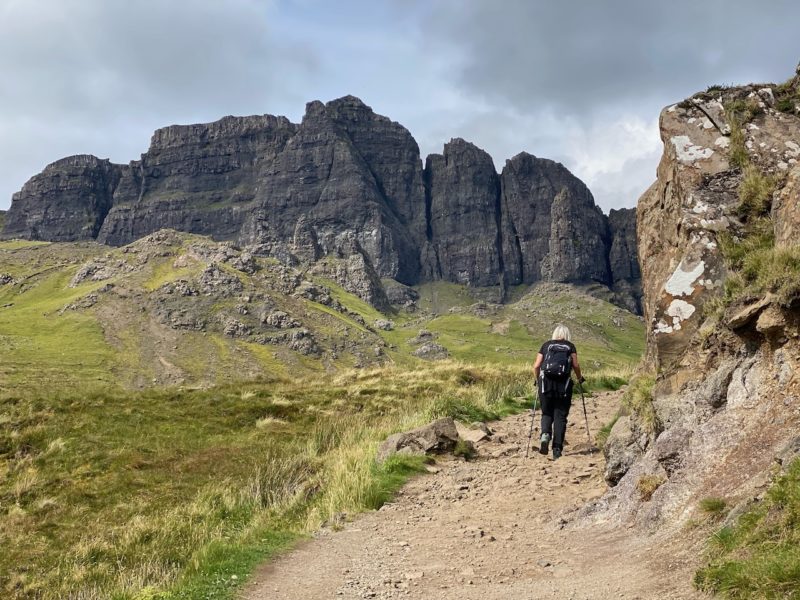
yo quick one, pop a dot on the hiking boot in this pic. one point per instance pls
(545, 446)
(556, 453)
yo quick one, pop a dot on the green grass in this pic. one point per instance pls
(787, 97)
(738, 113)
(605, 431)
(638, 402)
(439, 297)
(119, 494)
(759, 556)
(757, 266)
(464, 449)
(41, 346)
(755, 192)
(20, 244)
(713, 507)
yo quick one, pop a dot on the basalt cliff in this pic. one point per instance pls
(717, 413)
(346, 182)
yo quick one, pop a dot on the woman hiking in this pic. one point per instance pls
(554, 362)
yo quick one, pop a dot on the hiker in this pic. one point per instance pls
(559, 357)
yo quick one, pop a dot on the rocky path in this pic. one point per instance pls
(500, 526)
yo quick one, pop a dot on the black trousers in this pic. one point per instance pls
(555, 410)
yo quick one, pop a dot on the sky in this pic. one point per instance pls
(578, 81)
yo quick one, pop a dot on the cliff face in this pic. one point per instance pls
(553, 229)
(67, 201)
(696, 201)
(345, 179)
(322, 176)
(719, 247)
(195, 178)
(622, 260)
(464, 216)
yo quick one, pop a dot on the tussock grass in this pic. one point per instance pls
(169, 493)
(759, 556)
(713, 507)
(464, 449)
(755, 265)
(787, 97)
(647, 485)
(638, 402)
(758, 266)
(608, 378)
(737, 152)
(755, 192)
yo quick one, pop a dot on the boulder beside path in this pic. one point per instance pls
(437, 437)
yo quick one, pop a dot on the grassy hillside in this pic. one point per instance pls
(173, 412)
(182, 310)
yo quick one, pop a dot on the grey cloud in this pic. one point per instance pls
(97, 77)
(579, 56)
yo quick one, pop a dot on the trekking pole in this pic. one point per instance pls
(585, 416)
(533, 420)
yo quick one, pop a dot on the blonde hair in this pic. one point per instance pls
(561, 332)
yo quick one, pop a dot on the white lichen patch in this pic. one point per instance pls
(794, 149)
(687, 152)
(681, 281)
(722, 142)
(680, 310)
(700, 208)
(691, 120)
(706, 123)
(783, 166)
(662, 327)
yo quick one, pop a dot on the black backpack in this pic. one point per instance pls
(557, 362)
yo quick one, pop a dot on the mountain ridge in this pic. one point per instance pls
(296, 191)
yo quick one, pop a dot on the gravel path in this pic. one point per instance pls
(500, 526)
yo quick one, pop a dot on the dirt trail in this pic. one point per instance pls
(498, 527)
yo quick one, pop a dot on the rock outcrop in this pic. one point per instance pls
(344, 179)
(626, 276)
(195, 178)
(464, 190)
(724, 411)
(68, 201)
(552, 228)
(696, 198)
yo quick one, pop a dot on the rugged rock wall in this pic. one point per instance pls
(67, 201)
(195, 178)
(345, 178)
(696, 198)
(725, 407)
(624, 265)
(464, 190)
(553, 229)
